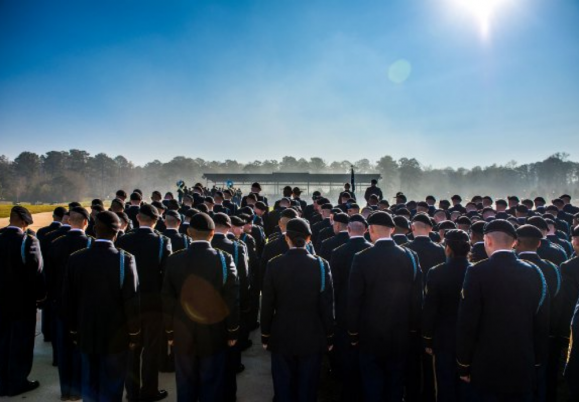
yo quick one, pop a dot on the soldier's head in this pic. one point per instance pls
(20, 217)
(172, 219)
(487, 201)
(286, 215)
(58, 214)
(136, 198)
(566, 198)
(456, 243)
(121, 195)
(540, 223)
(222, 223)
(148, 215)
(298, 232)
(575, 239)
(357, 225)
(477, 232)
(284, 202)
(107, 225)
(421, 225)
(499, 235)
(340, 222)
(117, 205)
(528, 239)
(380, 225)
(156, 196)
(373, 182)
(326, 210)
(439, 216)
(248, 222)
(353, 209)
(237, 225)
(95, 209)
(259, 208)
(79, 218)
(256, 188)
(124, 218)
(201, 227)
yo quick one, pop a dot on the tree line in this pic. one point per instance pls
(61, 176)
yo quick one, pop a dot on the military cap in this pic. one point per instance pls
(159, 205)
(501, 202)
(527, 202)
(256, 185)
(341, 218)
(227, 191)
(260, 205)
(430, 197)
(252, 196)
(446, 225)
(557, 201)
(401, 222)
(478, 227)
(548, 216)
(97, 208)
(96, 201)
(82, 211)
(322, 201)
(202, 222)
(358, 218)
(237, 221)
(286, 199)
(296, 191)
(187, 197)
(488, 209)
(422, 218)
(552, 208)
(222, 219)
(384, 202)
(575, 231)
(73, 204)
(316, 194)
(327, 206)
(476, 198)
(514, 221)
(110, 220)
(245, 217)
(381, 218)
(123, 217)
(173, 214)
(457, 235)
(209, 200)
(565, 196)
(411, 204)
(219, 194)
(403, 211)
(121, 193)
(374, 197)
(336, 211)
(522, 209)
(191, 212)
(540, 199)
(464, 220)
(119, 202)
(513, 198)
(59, 211)
(422, 204)
(440, 211)
(299, 226)
(149, 210)
(23, 214)
(136, 196)
(529, 231)
(353, 206)
(288, 213)
(249, 211)
(444, 202)
(374, 181)
(549, 221)
(539, 222)
(456, 197)
(501, 225)
(138, 191)
(401, 197)
(471, 203)
(489, 198)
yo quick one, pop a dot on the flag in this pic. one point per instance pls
(352, 181)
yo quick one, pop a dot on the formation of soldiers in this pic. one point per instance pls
(408, 302)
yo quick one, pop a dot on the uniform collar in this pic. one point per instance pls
(15, 228)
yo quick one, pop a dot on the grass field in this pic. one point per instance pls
(35, 209)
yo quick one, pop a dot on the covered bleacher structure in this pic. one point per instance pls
(273, 183)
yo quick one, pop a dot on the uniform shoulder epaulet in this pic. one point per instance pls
(174, 253)
(157, 232)
(474, 264)
(363, 251)
(78, 251)
(223, 251)
(126, 252)
(130, 232)
(273, 258)
(339, 247)
(436, 266)
(58, 238)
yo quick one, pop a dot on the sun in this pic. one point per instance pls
(482, 10)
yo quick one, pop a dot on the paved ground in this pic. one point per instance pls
(40, 220)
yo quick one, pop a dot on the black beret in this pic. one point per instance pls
(97, 201)
(316, 194)
(411, 204)
(422, 218)
(341, 218)
(446, 225)
(464, 220)
(23, 214)
(173, 204)
(158, 205)
(237, 221)
(299, 226)
(327, 206)
(444, 202)
(540, 199)
(401, 222)
(149, 210)
(248, 210)
(456, 235)
(358, 218)
(202, 222)
(549, 221)
(81, 211)
(403, 211)
(336, 211)
(261, 206)
(422, 204)
(209, 200)
(529, 231)
(456, 197)
(288, 213)
(478, 227)
(202, 208)
(430, 197)
(438, 211)
(538, 222)
(121, 193)
(565, 196)
(486, 197)
(501, 225)
(110, 220)
(219, 194)
(381, 218)
(118, 201)
(191, 212)
(552, 208)
(222, 219)
(256, 185)
(296, 191)
(575, 231)
(557, 201)
(74, 204)
(97, 207)
(501, 202)
(245, 217)
(138, 191)
(488, 209)
(513, 198)
(353, 206)
(123, 217)
(173, 214)
(136, 197)
(59, 211)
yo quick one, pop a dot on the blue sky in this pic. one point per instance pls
(263, 79)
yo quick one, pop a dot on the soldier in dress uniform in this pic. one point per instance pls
(528, 241)
(326, 222)
(477, 251)
(547, 250)
(68, 355)
(151, 251)
(21, 289)
(384, 306)
(201, 313)
(310, 210)
(373, 190)
(105, 324)
(401, 230)
(340, 230)
(228, 202)
(341, 264)
(440, 311)
(179, 241)
(133, 208)
(297, 316)
(500, 345)
(125, 221)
